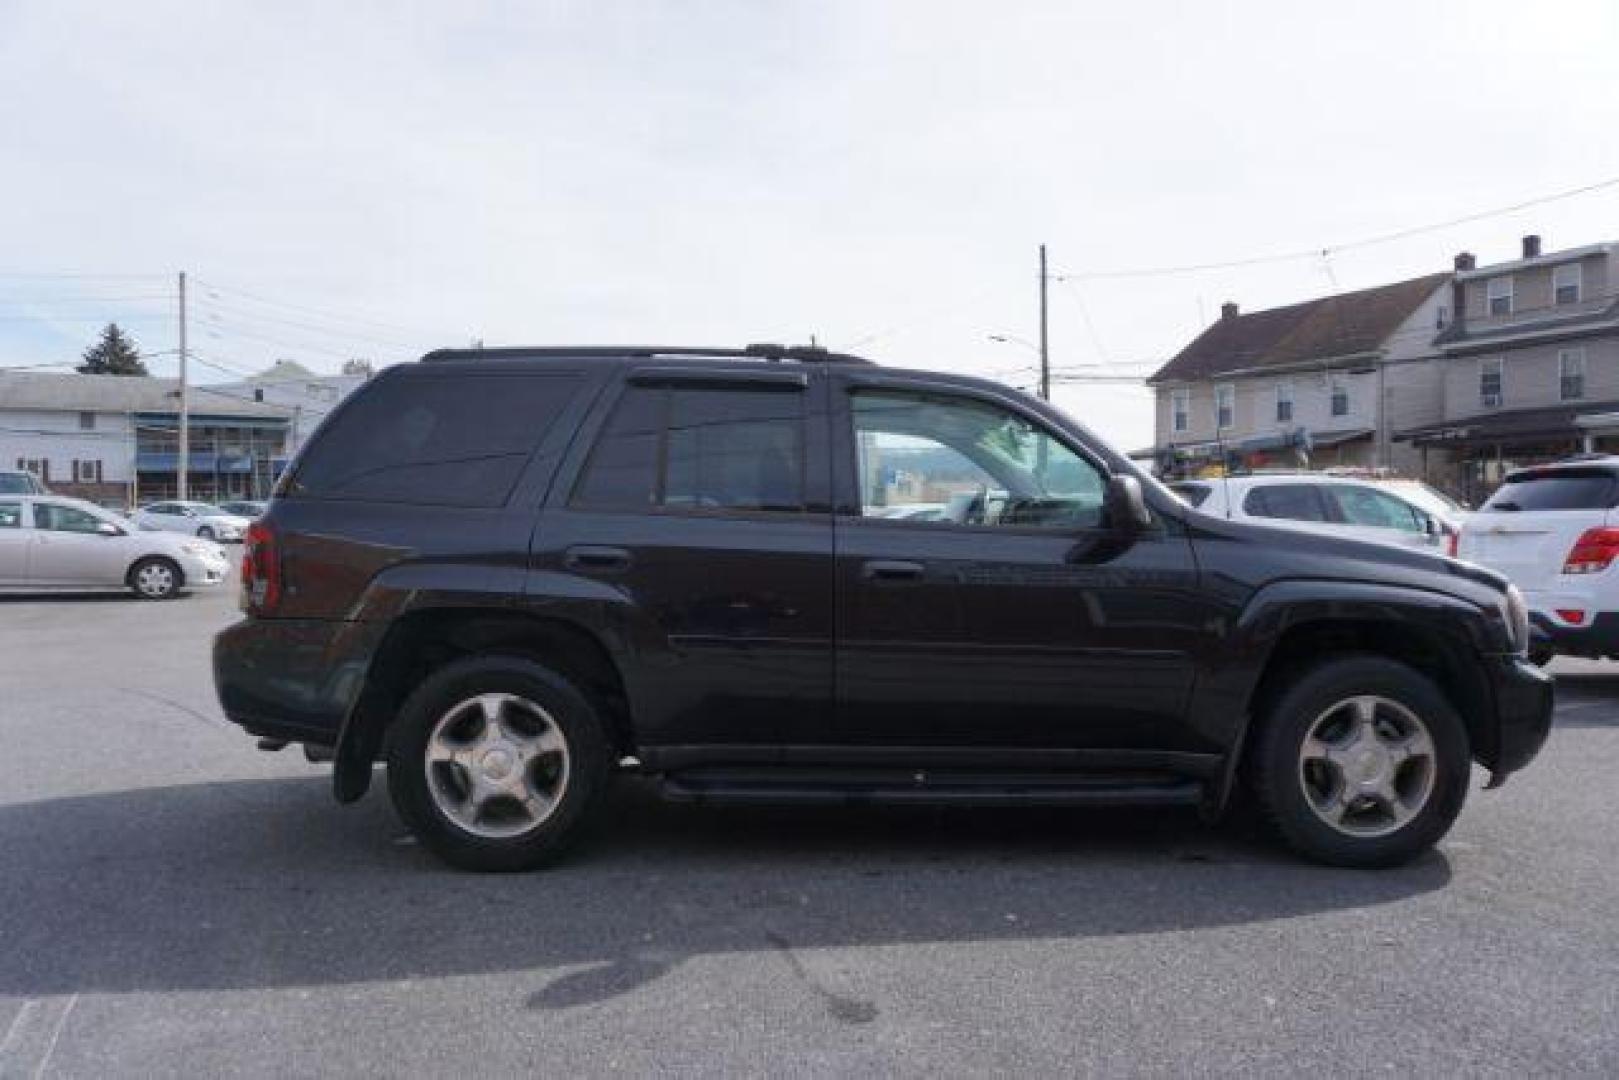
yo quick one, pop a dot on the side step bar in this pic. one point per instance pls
(756, 787)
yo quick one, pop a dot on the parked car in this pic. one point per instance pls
(1325, 504)
(243, 508)
(1554, 532)
(18, 482)
(509, 572)
(196, 518)
(53, 542)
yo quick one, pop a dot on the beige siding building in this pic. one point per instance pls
(1325, 382)
(1530, 369)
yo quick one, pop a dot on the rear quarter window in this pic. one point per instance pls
(434, 440)
(1562, 489)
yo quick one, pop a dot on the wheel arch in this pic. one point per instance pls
(421, 641)
(1287, 627)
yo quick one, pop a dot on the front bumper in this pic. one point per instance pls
(1523, 709)
(1597, 638)
(292, 679)
(204, 571)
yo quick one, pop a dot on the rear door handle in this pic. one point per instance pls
(880, 570)
(591, 557)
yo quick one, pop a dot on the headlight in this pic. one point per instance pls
(198, 548)
(1517, 619)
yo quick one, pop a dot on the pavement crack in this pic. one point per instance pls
(841, 1007)
(211, 721)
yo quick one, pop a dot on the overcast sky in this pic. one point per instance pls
(375, 179)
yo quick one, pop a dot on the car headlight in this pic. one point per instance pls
(1517, 619)
(199, 548)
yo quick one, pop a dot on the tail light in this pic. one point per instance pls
(1453, 539)
(261, 570)
(1592, 552)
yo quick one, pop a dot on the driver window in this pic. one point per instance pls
(64, 519)
(958, 461)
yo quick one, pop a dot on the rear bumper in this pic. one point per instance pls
(293, 679)
(1523, 707)
(1599, 637)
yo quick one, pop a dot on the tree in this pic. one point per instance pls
(114, 354)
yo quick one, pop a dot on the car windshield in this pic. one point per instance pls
(1555, 489)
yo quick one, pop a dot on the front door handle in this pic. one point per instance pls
(881, 570)
(592, 557)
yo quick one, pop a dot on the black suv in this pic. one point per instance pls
(779, 574)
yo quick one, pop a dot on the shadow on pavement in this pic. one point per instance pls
(261, 884)
(1588, 698)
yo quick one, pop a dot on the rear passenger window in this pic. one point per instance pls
(439, 440)
(682, 448)
(10, 515)
(1294, 502)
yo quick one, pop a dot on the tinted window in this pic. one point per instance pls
(439, 440)
(10, 515)
(64, 519)
(967, 462)
(1194, 494)
(17, 484)
(699, 449)
(1364, 506)
(1563, 489)
(1294, 502)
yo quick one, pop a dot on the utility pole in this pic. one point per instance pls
(183, 461)
(1045, 350)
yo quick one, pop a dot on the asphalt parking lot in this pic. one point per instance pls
(172, 900)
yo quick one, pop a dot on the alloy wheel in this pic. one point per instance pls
(497, 765)
(1367, 766)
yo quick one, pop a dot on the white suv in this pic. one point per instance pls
(1315, 502)
(1553, 530)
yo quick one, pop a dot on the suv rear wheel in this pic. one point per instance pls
(495, 763)
(1361, 762)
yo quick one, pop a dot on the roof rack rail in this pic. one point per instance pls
(805, 354)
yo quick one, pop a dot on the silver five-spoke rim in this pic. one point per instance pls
(1367, 766)
(154, 579)
(497, 765)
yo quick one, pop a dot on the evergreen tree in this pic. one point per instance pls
(114, 354)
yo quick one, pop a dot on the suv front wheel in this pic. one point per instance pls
(1361, 761)
(495, 762)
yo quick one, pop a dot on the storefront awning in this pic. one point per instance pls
(1511, 426)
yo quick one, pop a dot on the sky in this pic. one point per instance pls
(377, 179)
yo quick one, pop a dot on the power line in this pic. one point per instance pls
(1330, 249)
(319, 312)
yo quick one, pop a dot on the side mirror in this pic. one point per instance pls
(1126, 506)
(1431, 527)
(107, 528)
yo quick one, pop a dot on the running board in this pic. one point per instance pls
(850, 787)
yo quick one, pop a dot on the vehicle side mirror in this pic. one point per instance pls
(107, 528)
(1126, 506)
(1431, 527)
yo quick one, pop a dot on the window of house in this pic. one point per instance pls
(1340, 398)
(87, 421)
(1571, 374)
(699, 448)
(1442, 317)
(1225, 406)
(1180, 410)
(1489, 382)
(258, 393)
(1284, 403)
(1566, 282)
(949, 460)
(1498, 296)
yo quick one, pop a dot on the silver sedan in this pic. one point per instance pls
(51, 542)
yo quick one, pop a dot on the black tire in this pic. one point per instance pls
(205, 532)
(588, 754)
(155, 578)
(1275, 766)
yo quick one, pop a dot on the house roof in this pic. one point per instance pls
(121, 394)
(1349, 324)
(284, 369)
